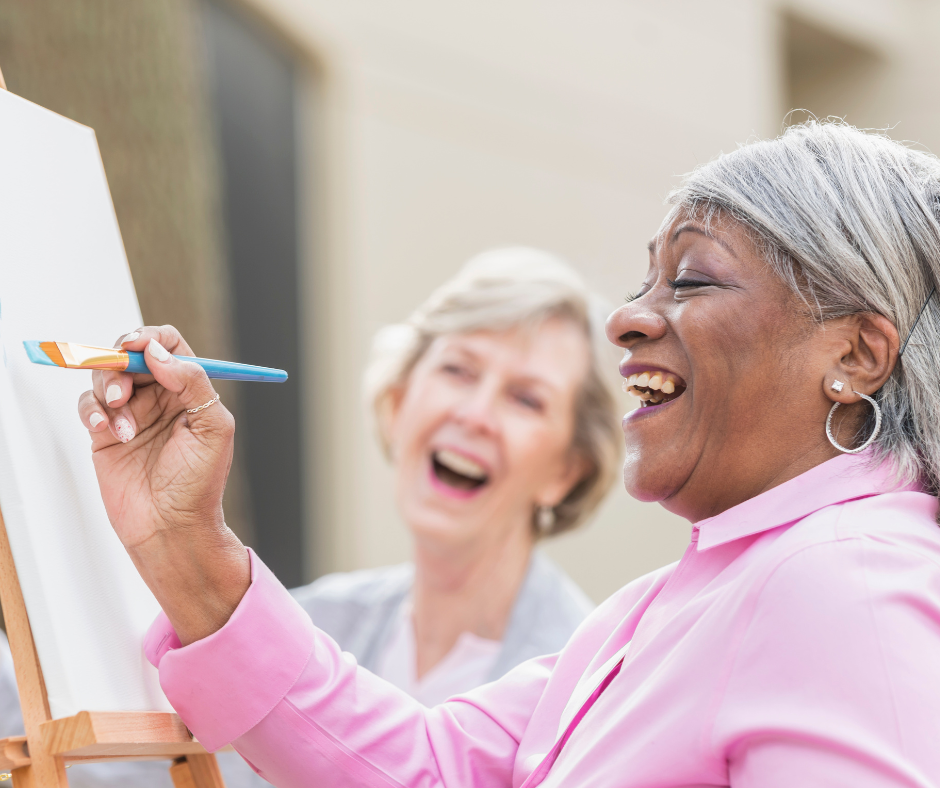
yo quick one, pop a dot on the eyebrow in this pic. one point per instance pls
(693, 228)
(532, 380)
(524, 379)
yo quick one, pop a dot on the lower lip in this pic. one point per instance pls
(451, 492)
(649, 410)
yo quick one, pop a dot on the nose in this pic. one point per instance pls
(634, 322)
(477, 409)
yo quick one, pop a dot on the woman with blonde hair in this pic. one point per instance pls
(494, 404)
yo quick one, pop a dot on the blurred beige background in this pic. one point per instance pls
(424, 132)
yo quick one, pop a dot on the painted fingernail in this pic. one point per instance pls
(159, 352)
(95, 419)
(113, 393)
(130, 337)
(123, 429)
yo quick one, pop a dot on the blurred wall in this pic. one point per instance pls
(440, 129)
(444, 129)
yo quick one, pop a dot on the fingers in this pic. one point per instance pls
(116, 388)
(106, 424)
(167, 336)
(113, 388)
(107, 410)
(187, 380)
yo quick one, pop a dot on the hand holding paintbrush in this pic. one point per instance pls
(162, 447)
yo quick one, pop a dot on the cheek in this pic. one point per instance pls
(535, 451)
(421, 410)
(731, 349)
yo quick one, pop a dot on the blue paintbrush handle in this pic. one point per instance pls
(220, 370)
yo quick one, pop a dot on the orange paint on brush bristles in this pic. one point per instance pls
(50, 349)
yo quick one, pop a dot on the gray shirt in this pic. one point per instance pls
(357, 609)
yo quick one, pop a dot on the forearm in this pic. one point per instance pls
(198, 575)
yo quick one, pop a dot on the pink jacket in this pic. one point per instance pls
(797, 642)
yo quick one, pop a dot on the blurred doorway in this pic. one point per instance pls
(253, 83)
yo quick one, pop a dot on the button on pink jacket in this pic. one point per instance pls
(797, 642)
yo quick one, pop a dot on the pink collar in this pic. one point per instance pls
(843, 478)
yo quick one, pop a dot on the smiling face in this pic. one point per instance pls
(481, 433)
(730, 366)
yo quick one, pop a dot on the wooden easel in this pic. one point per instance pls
(38, 759)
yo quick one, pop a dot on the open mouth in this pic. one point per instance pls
(457, 471)
(654, 387)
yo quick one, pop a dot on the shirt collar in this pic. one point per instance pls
(843, 478)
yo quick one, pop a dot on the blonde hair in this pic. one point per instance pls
(851, 222)
(500, 290)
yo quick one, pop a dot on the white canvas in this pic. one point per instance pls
(64, 276)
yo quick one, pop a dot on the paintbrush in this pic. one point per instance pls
(70, 355)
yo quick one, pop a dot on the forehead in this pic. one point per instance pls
(554, 350)
(718, 229)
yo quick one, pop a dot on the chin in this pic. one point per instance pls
(437, 527)
(647, 482)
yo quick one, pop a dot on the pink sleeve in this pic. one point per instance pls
(303, 713)
(831, 683)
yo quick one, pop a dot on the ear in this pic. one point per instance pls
(866, 352)
(389, 407)
(574, 468)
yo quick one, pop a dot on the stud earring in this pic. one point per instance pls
(545, 519)
(837, 386)
(871, 438)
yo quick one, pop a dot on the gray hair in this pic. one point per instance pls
(850, 220)
(497, 291)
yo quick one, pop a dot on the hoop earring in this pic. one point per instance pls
(871, 438)
(545, 519)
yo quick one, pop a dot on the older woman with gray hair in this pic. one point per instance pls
(785, 348)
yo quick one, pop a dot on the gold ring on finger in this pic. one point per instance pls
(208, 404)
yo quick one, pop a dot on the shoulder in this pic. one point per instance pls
(860, 569)
(892, 524)
(843, 617)
(356, 608)
(363, 587)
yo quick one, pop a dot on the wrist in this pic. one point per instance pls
(198, 575)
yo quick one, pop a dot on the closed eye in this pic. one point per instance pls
(456, 371)
(680, 284)
(638, 294)
(528, 401)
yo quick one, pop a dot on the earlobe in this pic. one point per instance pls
(837, 386)
(576, 468)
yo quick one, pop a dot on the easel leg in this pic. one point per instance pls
(50, 771)
(196, 771)
(44, 770)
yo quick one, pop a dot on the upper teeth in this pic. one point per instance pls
(653, 386)
(460, 464)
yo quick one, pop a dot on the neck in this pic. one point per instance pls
(461, 588)
(707, 497)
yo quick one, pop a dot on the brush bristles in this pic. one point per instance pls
(52, 350)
